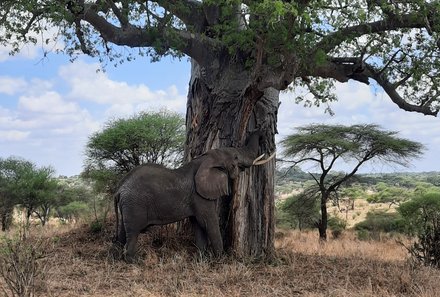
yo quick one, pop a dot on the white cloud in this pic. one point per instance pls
(11, 86)
(88, 84)
(13, 135)
(49, 102)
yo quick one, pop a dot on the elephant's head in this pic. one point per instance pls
(220, 165)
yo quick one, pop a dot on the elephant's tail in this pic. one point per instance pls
(116, 202)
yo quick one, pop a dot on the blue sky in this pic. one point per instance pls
(49, 106)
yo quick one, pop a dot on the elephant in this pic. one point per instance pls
(152, 194)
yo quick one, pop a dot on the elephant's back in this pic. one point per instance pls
(151, 179)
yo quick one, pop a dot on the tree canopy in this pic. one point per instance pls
(394, 43)
(326, 145)
(147, 137)
(23, 183)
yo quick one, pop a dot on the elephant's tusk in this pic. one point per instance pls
(258, 159)
(261, 162)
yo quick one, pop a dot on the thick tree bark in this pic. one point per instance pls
(222, 109)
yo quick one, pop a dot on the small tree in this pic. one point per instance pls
(12, 171)
(36, 190)
(422, 215)
(325, 145)
(147, 137)
(300, 211)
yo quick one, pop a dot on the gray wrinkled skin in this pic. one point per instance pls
(154, 195)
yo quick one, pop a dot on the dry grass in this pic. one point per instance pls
(81, 266)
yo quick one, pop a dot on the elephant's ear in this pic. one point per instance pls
(211, 181)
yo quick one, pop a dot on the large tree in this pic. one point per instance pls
(327, 146)
(243, 53)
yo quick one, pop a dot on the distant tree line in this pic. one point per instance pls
(34, 190)
(155, 137)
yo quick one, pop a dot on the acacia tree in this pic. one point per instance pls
(326, 145)
(147, 137)
(243, 53)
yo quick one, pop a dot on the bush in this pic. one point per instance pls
(96, 226)
(381, 221)
(423, 216)
(298, 211)
(73, 211)
(337, 226)
(23, 265)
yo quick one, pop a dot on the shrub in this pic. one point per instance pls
(96, 226)
(298, 211)
(423, 216)
(23, 265)
(381, 221)
(337, 226)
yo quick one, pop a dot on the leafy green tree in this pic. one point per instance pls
(326, 145)
(299, 211)
(37, 192)
(381, 221)
(390, 194)
(243, 53)
(12, 171)
(147, 137)
(74, 210)
(422, 214)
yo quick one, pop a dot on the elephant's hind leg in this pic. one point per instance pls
(130, 246)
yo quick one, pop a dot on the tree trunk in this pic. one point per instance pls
(322, 226)
(220, 113)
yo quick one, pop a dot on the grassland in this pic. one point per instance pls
(79, 264)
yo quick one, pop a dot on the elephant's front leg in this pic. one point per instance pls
(214, 235)
(199, 235)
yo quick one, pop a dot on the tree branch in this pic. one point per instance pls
(121, 17)
(188, 11)
(340, 69)
(390, 89)
(412, 20)
(192, 44)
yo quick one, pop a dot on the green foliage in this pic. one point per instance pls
(298, 211)
(326, 145)
(74, 210)
(147, 137)
(378, 222)
(96, 226)
(337, 226)
(154, 137)
(23, 183)
(389, 194)
(357, 143)
(423, 216)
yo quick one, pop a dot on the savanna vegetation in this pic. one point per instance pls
(385, 226)
(243, 54)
